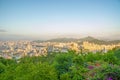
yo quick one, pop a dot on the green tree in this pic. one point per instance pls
(62, 63)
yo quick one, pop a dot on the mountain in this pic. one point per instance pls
(97, 41)
(80, 41)
(114, 42)
(92, 40)
(62, 40)
(89, 38)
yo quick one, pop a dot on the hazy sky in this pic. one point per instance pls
(44, 19)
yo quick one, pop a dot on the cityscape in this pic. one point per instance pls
(59, 39)
(22, 48)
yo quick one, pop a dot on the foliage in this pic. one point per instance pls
(117, 53)
(2, 67)
(62, 63)
(110, 58)
(63, 66)
(108, 72)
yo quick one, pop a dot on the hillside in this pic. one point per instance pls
(80, 41)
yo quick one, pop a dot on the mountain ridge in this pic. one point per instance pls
(81, 40)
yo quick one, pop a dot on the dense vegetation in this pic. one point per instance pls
(63, 66)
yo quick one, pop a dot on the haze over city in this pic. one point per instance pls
(47, 19)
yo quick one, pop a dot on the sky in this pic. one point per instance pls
(46, 19)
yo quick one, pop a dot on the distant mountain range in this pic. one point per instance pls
(80, 41)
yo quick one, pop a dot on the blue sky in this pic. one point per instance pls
(45, 19)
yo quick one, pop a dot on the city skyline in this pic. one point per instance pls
(46, 19)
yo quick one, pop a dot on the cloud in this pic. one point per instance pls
(2, 30)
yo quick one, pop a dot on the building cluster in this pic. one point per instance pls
(19, 49)
(95, 47)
